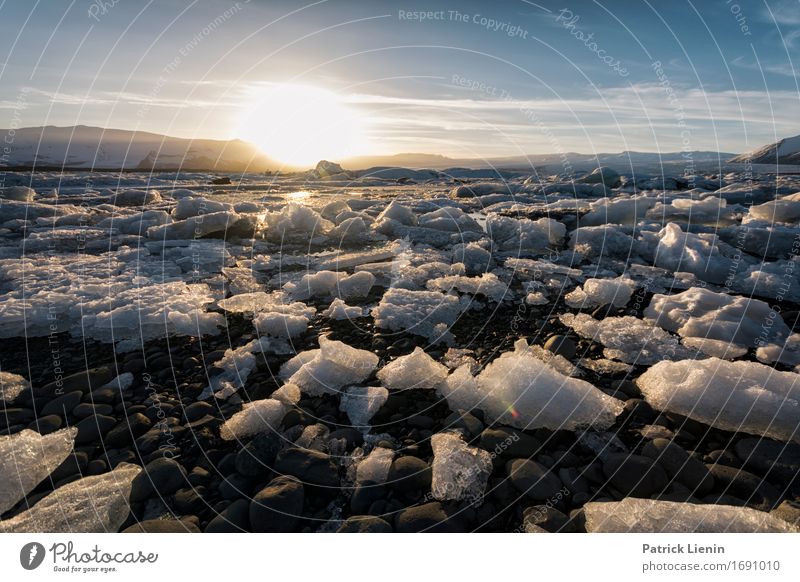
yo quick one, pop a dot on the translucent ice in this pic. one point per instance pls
(487, 284)
(26, 458)
(521, 390)
(600, 292)
(93, 504)
(699, 312)
(374, 468)
(331, 367)
(338, 309)
(735, 396)
(362, 402)
(459, 471)
(11, 386)
(415, 370)
(425, 313)
(255, 417)
(633, 515)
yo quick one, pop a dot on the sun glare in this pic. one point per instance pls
(299, 125)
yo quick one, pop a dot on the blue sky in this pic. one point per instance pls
(499, 78)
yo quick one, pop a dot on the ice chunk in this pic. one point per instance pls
(787, 352)
(633, 515)
(134, 197)
(619, 210)
(284, 325)
(419, 312)
(415, 370)
(11, 386)
(629, 339)
(362, 402)
(333, 284)
(221, 224)
(26, 458)
(17, 193)
(461, 389)
(473, 256)
(603, 241)
(511, 234)
(335, 365)
(374, 468)
(398, 212)
(93, 504)
(600, 292)
(521, 390)
(734, 396)
(777, 211)
(699, 312)
(487, 284)
(296, 222)
(236, 365)
(190, 206)
(255, 417)
(459, 471)
(450, 219)
(715, 348)
(701, 254)
(338, 309)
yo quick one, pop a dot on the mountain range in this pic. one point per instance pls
(84, 147)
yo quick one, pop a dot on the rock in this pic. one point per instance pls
(533, 479)
(63, 404)
(162, 526)
(678, 464)
(364, 524)
(258, 456)
(309, 466)
(198, 410)
(409, 474)
(131, 428)
(160, 478)
(430, 517)
(756, 492)
(87, 409)
(634, 475)
(18, 193)
(92, 427)
(506, 442)
(779, 462)
(278, 507)
(233, 519)
(561, 345)
(464, 420)
(547, 518)
(84, 381)
(75, 464)
(46, 424)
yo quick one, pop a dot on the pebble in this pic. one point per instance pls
(679, 464)
(429, 517)
(547, 518)
(160, 477)
(561, 345)
(740, 483)
(409, 474)
(162, 526)
(533, 479)
(310, 466)
(91, 428)
(235, 518)
(779, 462)
(278, 507)
(634, 475)
(364, 524)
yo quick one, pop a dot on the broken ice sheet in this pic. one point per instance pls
(415, 370)
(26, 458)
(362, 402)
(11, 386)
(93, 504)
(735, 396)
(374, 468)
(632, 515)
(328, 369)
(459, 471)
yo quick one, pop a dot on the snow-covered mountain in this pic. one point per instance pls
(785, 151)
(97, 148)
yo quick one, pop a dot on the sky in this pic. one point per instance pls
(463, 79)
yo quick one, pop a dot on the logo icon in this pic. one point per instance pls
(31, 555)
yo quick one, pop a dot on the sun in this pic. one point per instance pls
(299, 125)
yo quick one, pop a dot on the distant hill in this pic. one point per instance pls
(83, 147)
(551, 161)
(785, 151)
